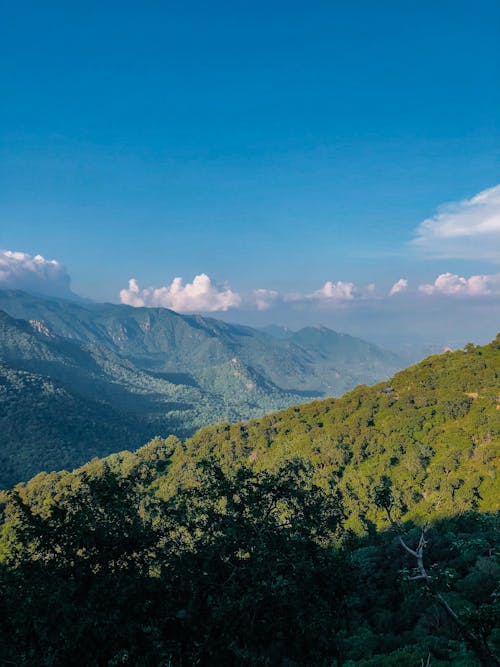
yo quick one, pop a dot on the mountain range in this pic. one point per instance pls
(139, 372)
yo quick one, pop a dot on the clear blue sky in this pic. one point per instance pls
(272, 145)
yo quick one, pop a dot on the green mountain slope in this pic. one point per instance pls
(122, 404)
(160, 340)
(261, 543)
(44, 425)
(434, 429)
(336, 355)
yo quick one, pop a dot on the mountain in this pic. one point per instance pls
(160, 340)
(45, 425)
(156, 373)
(63, 401)
(277, 331)
(266, 542)
(434, 428)
(344, 353)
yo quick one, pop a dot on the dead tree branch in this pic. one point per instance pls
(476, 643)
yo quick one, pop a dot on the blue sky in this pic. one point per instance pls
(273, 146)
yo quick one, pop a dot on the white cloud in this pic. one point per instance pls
(202, 295)
(33, 273)
(452, 285)
(339, 291)
(468, 229)
(263, 299)
(334, 293)
(400, 286)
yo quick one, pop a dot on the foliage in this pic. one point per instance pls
(434, 430)
(266, 543)
(149, 372)
(239, 569)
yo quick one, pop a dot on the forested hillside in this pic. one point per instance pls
(196, 349)
(152, 371)
(434, 428)
(269, 542)
(155, 338)
(73, 429)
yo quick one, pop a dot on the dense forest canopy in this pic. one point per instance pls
(434, 428)
(265, 543)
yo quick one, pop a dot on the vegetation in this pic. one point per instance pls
(148, 372)
(73, 429)
(434, 429)
(311, 362)
(276, 542)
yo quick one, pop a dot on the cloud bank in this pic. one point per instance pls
(469, 229)
(33, 273)
(202, 295)
(330, 293)
(450, 284)
(339, 291)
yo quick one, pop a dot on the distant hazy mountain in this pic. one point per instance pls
(160, 340)
(277, 331)
(154, 372)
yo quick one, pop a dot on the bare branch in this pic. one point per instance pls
(406, 547)
(477, 644)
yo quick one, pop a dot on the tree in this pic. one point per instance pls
(237, 568)
(262, 578)
(476, 632)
